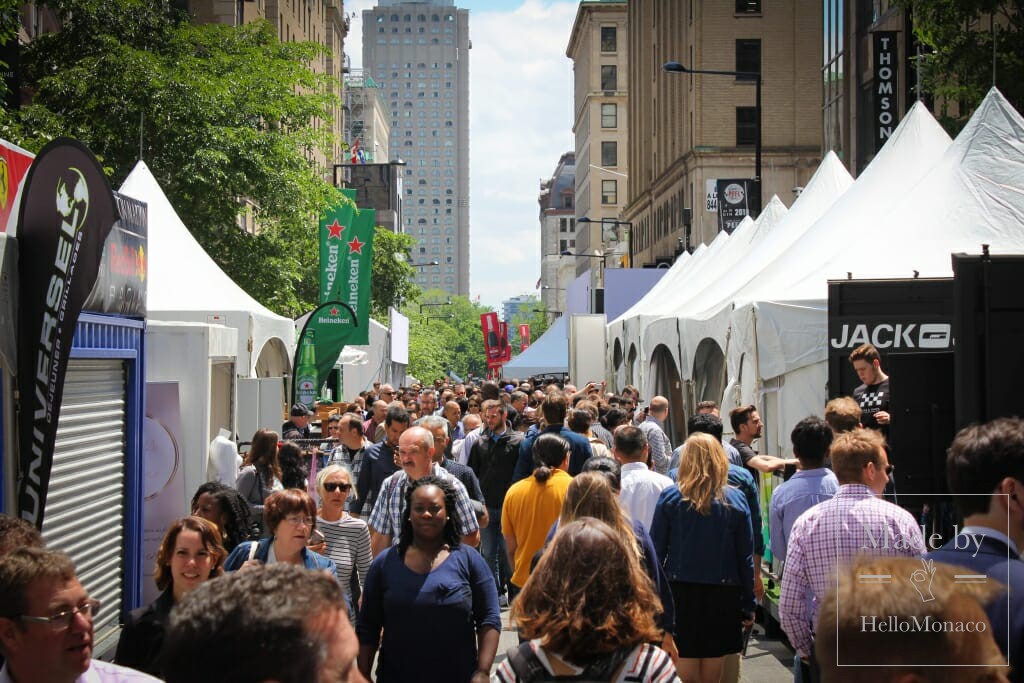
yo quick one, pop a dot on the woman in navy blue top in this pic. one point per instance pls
(434, 599)
(702, 534)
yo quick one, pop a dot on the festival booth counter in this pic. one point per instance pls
(549, 355)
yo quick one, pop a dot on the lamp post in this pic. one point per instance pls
(677, 68)
(612, 221)
(450, 316)
(425, 264)
(440, 303)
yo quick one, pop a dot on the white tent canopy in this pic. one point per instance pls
(790, 330)
(186, 285)
(921, 200)
(549, 355)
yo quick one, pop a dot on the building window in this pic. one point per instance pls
(608, 39)
(609, 192)
(746, 126)
(748, 6)
(609, 77)
(609, 116)
(609, 153)
(748, 57)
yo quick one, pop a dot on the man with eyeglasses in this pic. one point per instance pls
(856, 521)
(46, 623)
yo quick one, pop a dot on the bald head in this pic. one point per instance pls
(659, 407)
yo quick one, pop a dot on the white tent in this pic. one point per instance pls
(664, 330)
(919, 201)
(186, 285)
(549, 355)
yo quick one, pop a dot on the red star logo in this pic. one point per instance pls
(334, 230)
(334, 310)
(355, 246)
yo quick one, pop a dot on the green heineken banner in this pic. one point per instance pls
(328, 329)
(346, 256)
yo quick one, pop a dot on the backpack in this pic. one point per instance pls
(528, 667)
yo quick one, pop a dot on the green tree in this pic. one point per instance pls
(392, 274)
(532, 316)
(960, 61)
(227, 120)
(445, 338)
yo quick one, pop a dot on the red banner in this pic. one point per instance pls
(492, 346)
(524, 336)
(506, 348)
(14, 162)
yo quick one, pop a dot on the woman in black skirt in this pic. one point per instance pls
(703, 537)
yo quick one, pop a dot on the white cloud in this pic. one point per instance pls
(520, 104)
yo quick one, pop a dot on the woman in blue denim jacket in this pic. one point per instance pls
(703, 537)
(291, 518)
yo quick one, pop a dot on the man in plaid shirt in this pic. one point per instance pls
(856, 521)
(416, 458)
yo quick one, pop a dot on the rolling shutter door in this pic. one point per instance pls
(85, 503)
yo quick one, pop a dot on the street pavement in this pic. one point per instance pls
(767, 660)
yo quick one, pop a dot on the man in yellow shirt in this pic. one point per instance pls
(533, 504)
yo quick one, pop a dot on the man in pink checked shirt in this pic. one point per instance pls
(857, 521)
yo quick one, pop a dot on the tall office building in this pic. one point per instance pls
(419, 54)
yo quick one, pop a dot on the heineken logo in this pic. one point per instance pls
(355, 246)
(334, 230)
(333, 319)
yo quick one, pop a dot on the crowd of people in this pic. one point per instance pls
(386, 547)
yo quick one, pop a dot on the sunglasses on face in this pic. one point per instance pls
(333, 486)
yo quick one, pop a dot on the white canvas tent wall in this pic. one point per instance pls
(549, 355)
(664, 330)
(186, 285)
(965, 194)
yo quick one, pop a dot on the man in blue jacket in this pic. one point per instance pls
(988, 459)
(379, 461)
(554, 409)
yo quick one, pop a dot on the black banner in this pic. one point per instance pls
(735, 202)
(121, 283)
(886, 98)
(67, 211)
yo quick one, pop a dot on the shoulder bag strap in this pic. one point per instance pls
(526, 664)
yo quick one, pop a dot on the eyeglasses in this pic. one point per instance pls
(335, 485)
(63, 620)
(296, 520)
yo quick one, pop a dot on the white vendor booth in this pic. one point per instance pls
(229, 355)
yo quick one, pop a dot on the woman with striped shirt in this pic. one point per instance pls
(347, 538)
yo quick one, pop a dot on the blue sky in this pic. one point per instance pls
(520, 109)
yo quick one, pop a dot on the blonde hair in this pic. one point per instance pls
(703, 471)
(334, 468)
(590, 494)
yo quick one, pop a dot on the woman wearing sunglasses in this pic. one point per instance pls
(348, 538)
(290, 518)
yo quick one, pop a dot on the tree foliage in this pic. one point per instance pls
(392, 274)
(957, 64)
(438, 344)
(531, 315)
(230, 121)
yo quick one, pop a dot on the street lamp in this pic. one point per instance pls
(612, 221)
(441, 303)
(450, 316)
(677, 68)
(597, 255)
(546, 310)
(423, 265)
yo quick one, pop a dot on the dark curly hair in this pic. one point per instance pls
(451, 534)
(292, 459)
(211, 487)
(239, 525)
